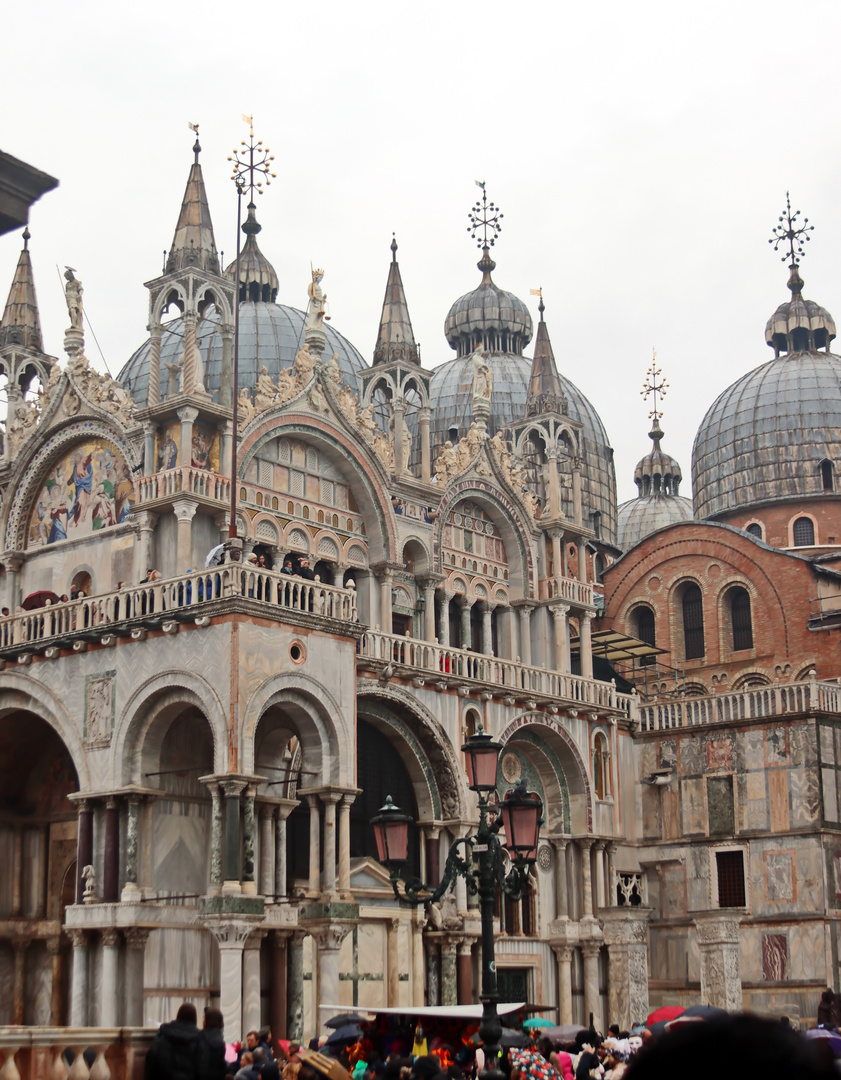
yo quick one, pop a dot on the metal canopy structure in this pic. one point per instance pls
(613, 645)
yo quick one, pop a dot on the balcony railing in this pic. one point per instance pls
(755, 703)
(53, 1053)
(184, 480)
(455, 666)
(570, 590)
(175, 597)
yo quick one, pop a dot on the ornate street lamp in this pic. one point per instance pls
(479, 859)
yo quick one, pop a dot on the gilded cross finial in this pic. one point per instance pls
(484, 216)
(654, 388)
(787, 231)
(251, 159)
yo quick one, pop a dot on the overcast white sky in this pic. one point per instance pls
(639, 152)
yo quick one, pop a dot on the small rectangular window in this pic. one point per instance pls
(730, 868)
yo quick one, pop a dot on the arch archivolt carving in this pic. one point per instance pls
(319, 721)
(427, 749)
(19, 692)
(162, 691)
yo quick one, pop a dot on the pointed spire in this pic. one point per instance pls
(193, 245)
(545, 393)
(396, 339)
(21, 324)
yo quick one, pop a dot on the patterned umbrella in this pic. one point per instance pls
(532, 1065)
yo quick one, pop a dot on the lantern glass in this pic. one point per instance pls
(391, 832)
(481, 758)
(521, 814)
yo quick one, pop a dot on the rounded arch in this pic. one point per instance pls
(320, 724)
(366, 479)
(436, 772)
(507, 518)
(550, 737)
(803, 530)
(750, 680)
(416, 556)
(22, 693)
(172, 294)
(210, 295)
(164, 691)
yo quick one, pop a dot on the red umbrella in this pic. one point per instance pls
(39, 599)
(665, 1012)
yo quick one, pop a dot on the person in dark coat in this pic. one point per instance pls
(175, 1050)
(212, 1064)
(828, 1010)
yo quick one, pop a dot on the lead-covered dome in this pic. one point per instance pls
(658, 502)
(765, 437)
(269, 334)
(488, 316)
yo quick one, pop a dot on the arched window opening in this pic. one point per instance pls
(755, 529)
(740, 618)
(380, 773)
(826, 475)
(643, 622)
(472, 720)
(693, 622)
(598, 566)
(800, 339)
(600, 767)
(803, 532)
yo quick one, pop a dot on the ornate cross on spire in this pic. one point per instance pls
(651, 387)
(788, 232)
(251, 159)
(485, 216)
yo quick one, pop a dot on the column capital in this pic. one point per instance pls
(13, 561)
(585, 842)
(136, 937)
(231, 933)
(590, 949)
(187, 413)
(145, 520)
(563, 953)
(255, 939)
(587, 615)
(79, 938)
(431, 581)
(559, 611)
(524, 608)
(185, 509)
(110, 937)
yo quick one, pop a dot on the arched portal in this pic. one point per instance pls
(380, 773)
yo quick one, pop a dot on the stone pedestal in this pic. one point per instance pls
(626, 937)
(718, 942)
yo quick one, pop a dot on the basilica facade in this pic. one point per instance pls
(193, 740)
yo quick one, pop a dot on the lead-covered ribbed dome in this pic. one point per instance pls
(269, 334)
(488, 316)
(658, 504)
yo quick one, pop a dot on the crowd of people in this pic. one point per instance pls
(727, 1047)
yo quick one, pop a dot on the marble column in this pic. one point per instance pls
(16, 871)
(428, 609)
(280, 855)
(433, 854)
(187, 415)
(315, 845)
(563, 954)
(599, 894)
(330, 799)
(585, 843)
(184, 510)
(561, 893)
(444, 597)
(84, 846)
(392, 963)
(524, 611)
(487, 630)
(626, 938)
(131, 889)
(433, 973)
(19, 947)
(12, 565)
(592, 1002)
(557, 536)
(153, 395)
(188, 356)
(226, 435)
(226, 377)
(249, 886)
(466, 635)
(554, 485)
(426, 450)
(586, 643)
(344, 844)
(143, 555)
(329, 937)
(231, 936)
(79, 983)
(217, 834)
(721, 977)
(110, 963)
(136, 938)
(418, 996)
(583, 572)
(56, 960)
(267, 851)
(464, 973)
(398, 413)
(295, 986)
(111, 855)
(576, 490)
(386, 581)
(231, 884)
(449, 981)
(150, 464)
(277, 985)
(561, 627)
(251, 981)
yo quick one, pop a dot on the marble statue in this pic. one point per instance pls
(265, 391)
(89, 878)
(73, 295)
(366, 424)
(483, 379)
(317, 302)
(304, 363)
(245, 408)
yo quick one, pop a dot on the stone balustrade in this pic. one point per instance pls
(183, 480)
(174, 597)
(460, 666)
(56, 1053)
(750, 704)
(570, 590)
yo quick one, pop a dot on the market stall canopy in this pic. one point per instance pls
(441, 1012)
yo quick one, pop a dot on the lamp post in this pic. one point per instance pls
(480, 860)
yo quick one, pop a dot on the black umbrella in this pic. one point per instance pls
(347, 1034)
(510, 1037)
(343, 1019)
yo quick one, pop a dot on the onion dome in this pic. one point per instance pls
(21, 324)
(658, 503)
(269, 334)
(799, 325)
(257, 277)
(488, 316)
